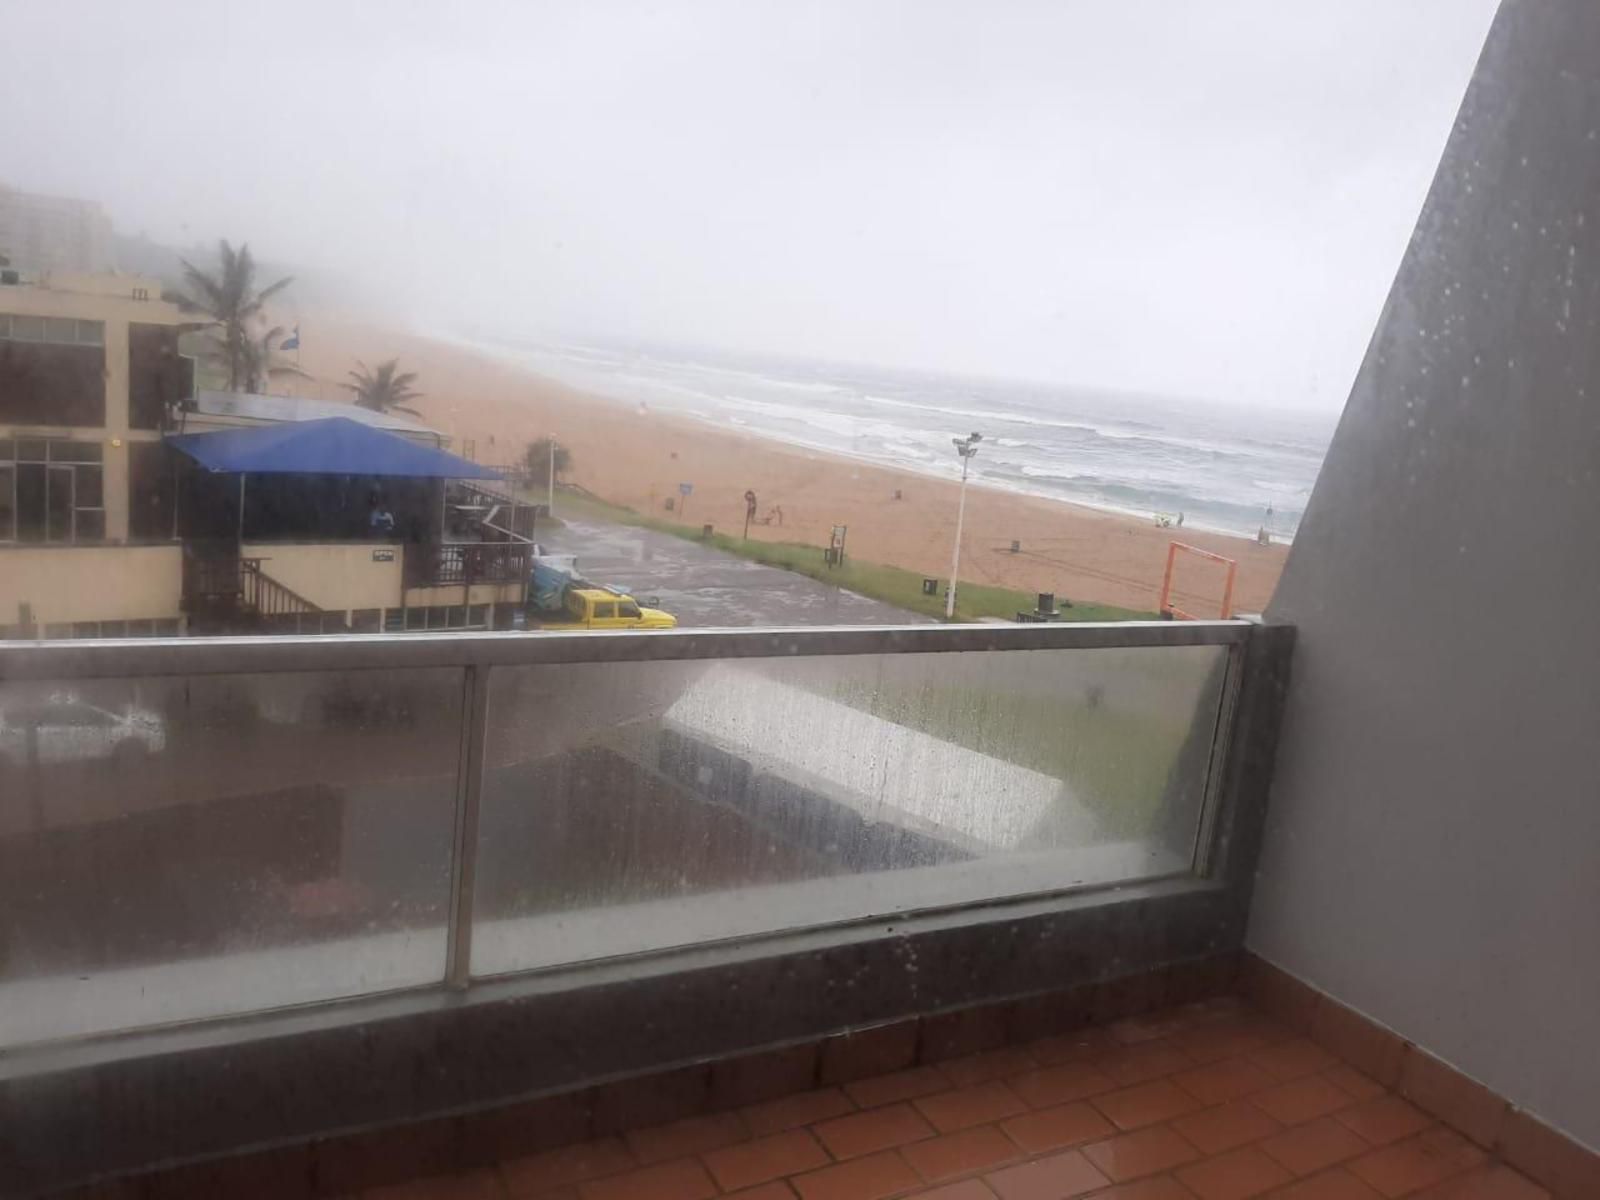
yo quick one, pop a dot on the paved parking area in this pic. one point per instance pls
(702, 586)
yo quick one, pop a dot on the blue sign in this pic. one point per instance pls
(685, 488)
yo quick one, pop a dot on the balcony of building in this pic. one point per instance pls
(1301, 907)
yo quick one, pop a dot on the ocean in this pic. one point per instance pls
(1223, 468)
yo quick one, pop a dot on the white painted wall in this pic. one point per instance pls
(1433, 849)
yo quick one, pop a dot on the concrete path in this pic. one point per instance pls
(703, 587)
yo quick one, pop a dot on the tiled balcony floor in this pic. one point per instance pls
(1210, 1101)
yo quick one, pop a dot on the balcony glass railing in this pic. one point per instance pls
(193, 829)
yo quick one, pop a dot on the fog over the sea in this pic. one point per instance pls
(1197, 198)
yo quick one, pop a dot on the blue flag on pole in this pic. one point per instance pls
(292, 342)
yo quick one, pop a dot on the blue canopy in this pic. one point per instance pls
(336, 446)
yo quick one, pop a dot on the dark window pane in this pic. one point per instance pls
(27, 329)
(90, 491)
(8, 503)
(113, 629)
(63, 451)
(91, 525)
(59, 506)
(91, 333)
(32, 450)
(8, 449)
(48, 384)
(151, 483)
(61, 329)
(30, 502)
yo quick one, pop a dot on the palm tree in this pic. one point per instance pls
(230, 299)
(385, 388)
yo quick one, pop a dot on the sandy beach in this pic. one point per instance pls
(638, 459)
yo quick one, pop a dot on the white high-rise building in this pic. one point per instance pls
(53, 233)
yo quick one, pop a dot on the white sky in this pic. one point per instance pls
(1204, 198)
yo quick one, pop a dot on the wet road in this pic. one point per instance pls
(703, 587)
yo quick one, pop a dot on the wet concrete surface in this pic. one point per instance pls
(702, 586)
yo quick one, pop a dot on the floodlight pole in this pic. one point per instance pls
(967, 448)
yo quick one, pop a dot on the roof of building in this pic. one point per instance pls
(255, 407)
(337, 446)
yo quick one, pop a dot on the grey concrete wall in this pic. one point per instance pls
(1433, 850)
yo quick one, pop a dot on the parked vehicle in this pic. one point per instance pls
(560, 598)
(70, 729)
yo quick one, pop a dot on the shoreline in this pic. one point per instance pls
(524, 360)
(492, 407)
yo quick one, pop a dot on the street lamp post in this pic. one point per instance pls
(550, 482)
(967, 448)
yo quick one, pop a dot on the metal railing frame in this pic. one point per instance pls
(479, 654)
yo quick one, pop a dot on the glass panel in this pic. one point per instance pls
(90, 525)
(64, 451)
(30, 501)
(27, 329)
(8, 504)
(32, 449)
(58, 526)
(221, 844)
(91, 333)
(8, 450)
(61, 329)
(88, 492)
(631, 806)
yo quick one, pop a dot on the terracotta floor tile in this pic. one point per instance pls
(885, 1174)
(1157, 1188)
(473, 1185)
(1235, 1175)
(965, 1107)
(1147, 1152)
(1056, 1085)
(1227, 1039)
(1337, 1184)
(1293, 1059)
(683, 1138)
(1384, 1119)
(776, 1190)
(1227, 1079)
(1360, 1086)
(1314, 1146)
(1055, 1128)
(1054, 1178)
(1136, 1064)
(1145, 1104)
(902, 1085)
(788, 1112)
(1302, 1100)
(980, 1068)
(1150, 1027)
(1163, 1187)
(685, 1179)
(964, 1153)
(1418, 1162)
(766, 1158)
(1498, 1182)
(967, 1189)
(1226, 1127)
(868, 1132)
(1070, 1047)
(571, 1164)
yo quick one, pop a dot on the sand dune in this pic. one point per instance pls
(638, 459)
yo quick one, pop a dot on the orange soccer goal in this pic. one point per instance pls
(1170, 611)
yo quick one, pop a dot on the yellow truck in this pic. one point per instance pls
(560, 598)
(602, 608)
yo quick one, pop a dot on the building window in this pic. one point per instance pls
(57, 331)
(51, 491)
(52, 371)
